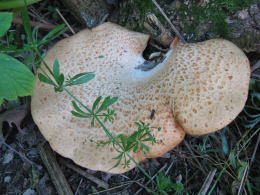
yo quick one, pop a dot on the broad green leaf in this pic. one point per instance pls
(45, 79)
(107, 102)
(11, 4)
(96, 103)
(5, 22)
(16, 79)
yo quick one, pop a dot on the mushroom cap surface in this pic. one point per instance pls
(70, 136)
(198, 88)
(211, 84)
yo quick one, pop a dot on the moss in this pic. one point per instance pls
(133, 13)
(144, 7)
(214, 12)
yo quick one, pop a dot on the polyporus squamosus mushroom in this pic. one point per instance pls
(197, 89)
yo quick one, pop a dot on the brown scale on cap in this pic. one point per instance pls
(198, 88)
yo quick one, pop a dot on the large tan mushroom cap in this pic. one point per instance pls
(198, 88)
(70, 136)
(211, 85)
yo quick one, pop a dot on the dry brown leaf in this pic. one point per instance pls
(13, 116)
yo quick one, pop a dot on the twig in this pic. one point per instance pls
(54, 170)
(78, 186)
(103, 19)
(20, 154)
(243, 179)
(169, 21)
(256, 66)
(82, 172)
(18, 20)
(190, 150)
(207, 182)
(256, 147)
(255, 75)
(71, 29)
(157, 30)
(169, 168)
(113, 188)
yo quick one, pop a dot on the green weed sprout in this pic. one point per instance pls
(164, 185)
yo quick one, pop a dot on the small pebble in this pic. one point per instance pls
(8, 157)
(257, 19)
(7, 179)
(253, 9)
(243, 14)
(29, 192)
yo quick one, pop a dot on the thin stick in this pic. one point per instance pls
(169, 21)
(243, 179)
(82, 172)
(54, 170)
(256, 66)
(18, 20)
(20, 154)
(78, 186)
(207, 182)
(169, 168)
(157, 30)
(103, 19)
(71, 29)
(190, 150)
(256, 147)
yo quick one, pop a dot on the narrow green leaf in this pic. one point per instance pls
(26, 23)
(35, 33)
(45, 79)
(107, 102)
(76, 107)
(96, 103)
(5, 22)
(232, 159)
(53, 32)
(60, 79)
(93, 122)
(16, 79)
(81, 80)
(80, 115)
(79, 75)
(135, 148)
(145, 147)
(118, 158)
(56, 69)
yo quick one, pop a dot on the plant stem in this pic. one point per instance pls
(110, 135)
(45, 64)
(10, 4)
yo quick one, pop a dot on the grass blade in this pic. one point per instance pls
(26, 23)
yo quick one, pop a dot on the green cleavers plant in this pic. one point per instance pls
(100, 112)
